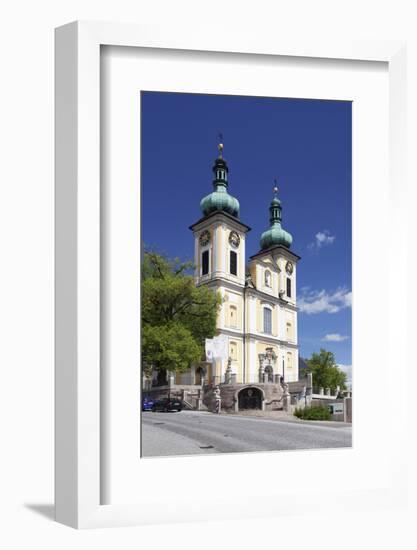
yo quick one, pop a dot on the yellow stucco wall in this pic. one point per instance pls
(289, 327)
(236, 300)
(259, 320)
(237, 364)
(289, 361)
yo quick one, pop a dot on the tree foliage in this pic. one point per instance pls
(170, 347)
(326, 374)
(177, 316)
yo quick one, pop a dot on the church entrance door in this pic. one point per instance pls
(250, 398)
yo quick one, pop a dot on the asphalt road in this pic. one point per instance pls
(191, 432)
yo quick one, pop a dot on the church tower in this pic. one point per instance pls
(258, 315)
(272, 323)
(219, 256)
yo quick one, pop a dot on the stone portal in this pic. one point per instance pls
(250, 398)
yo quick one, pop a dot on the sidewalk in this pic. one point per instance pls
(285, 417)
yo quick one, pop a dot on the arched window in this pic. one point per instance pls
(289, 360)
(267, 278)
(233, 316)
(267, 320)
(289, 331)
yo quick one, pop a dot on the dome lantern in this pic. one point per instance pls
(219, 199)
(275, 235)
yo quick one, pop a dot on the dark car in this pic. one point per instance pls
(147, 404)
(167, 405)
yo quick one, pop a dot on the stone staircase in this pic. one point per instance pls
(273, 395)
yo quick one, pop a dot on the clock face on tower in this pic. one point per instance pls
(205, 238)
(289, 268)
(234, 239)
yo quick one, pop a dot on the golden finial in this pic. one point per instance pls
(220, 146)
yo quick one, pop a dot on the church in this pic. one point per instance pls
(258, 316)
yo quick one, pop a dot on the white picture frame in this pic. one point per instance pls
(78, 411)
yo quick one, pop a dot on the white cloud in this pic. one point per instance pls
(335, 337)
(321, 301)
(322, 238)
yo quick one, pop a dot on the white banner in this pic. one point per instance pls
(217, 348)
(220, 347)
(209, 350)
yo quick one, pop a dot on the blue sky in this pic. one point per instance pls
(305, 144)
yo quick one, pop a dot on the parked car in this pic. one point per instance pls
(167, 404)
(147, 403)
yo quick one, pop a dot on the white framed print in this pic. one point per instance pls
(277, 368)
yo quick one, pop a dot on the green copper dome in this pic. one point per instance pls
(275, 235)
(219, 199)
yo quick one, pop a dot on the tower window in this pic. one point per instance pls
(205, 262)
(233, 262)
(267, 320)
(288, 287)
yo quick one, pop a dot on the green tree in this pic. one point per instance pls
(169, 347)
(326, 374)
(177, 316)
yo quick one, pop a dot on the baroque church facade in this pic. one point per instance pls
(258, 314)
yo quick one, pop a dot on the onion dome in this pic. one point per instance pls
(220, 200)
(275, 235)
